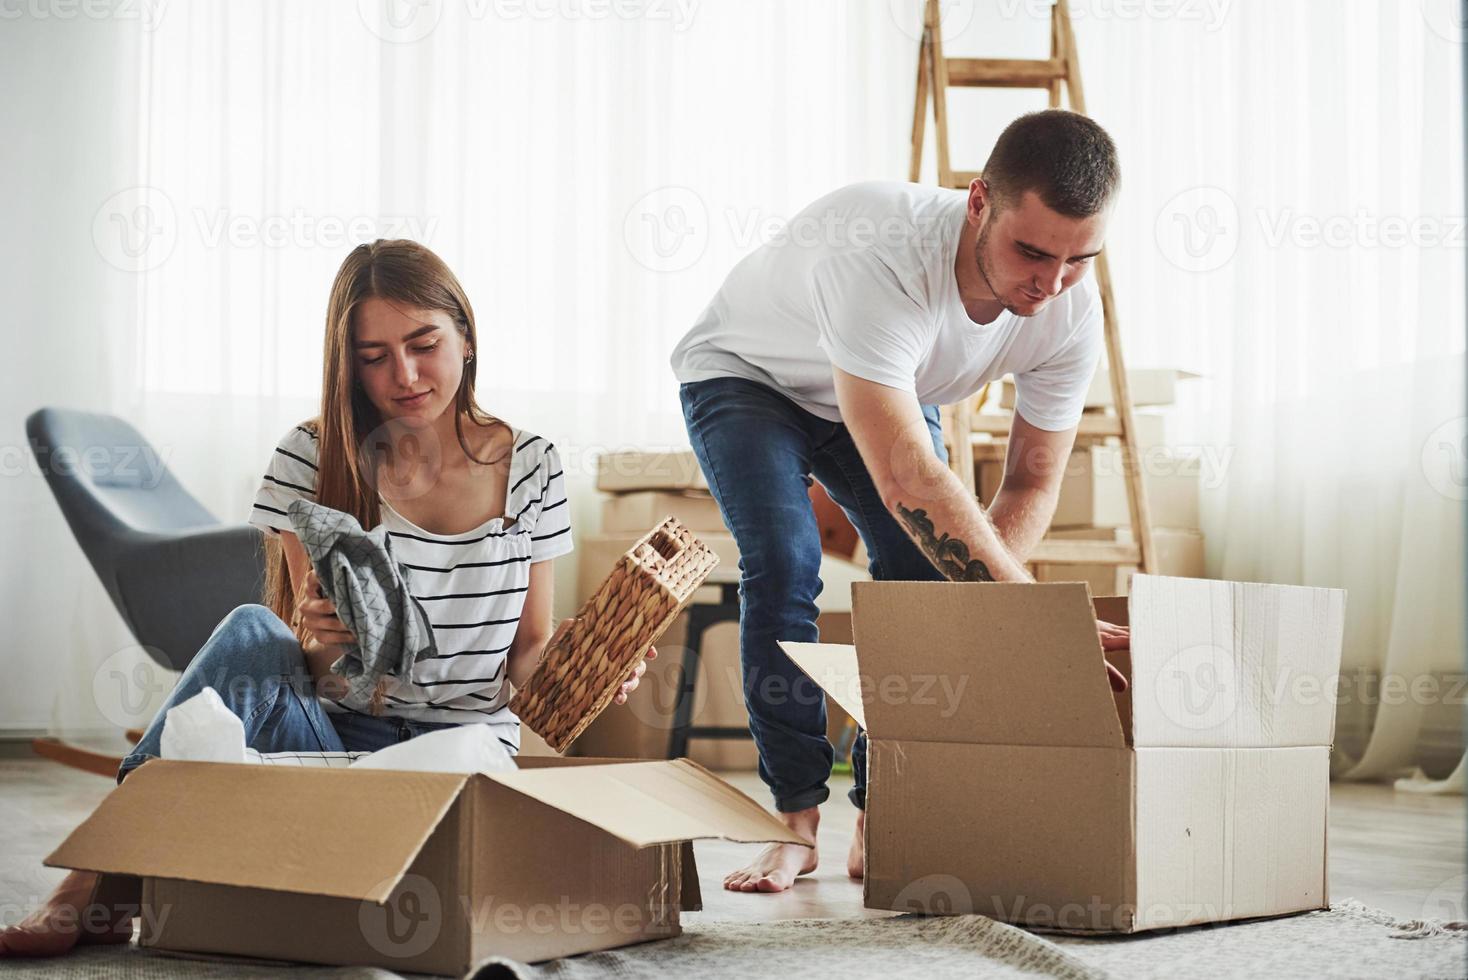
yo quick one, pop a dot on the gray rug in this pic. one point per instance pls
(1349, 941)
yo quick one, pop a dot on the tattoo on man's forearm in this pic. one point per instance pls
(950, 555)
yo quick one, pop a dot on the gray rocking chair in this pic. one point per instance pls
(172, 569)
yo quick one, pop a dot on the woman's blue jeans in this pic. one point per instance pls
(256, 664)
(759, 451)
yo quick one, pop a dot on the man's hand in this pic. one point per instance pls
(1114, 637)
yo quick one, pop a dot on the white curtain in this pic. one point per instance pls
(1293, 228)
(591, 171)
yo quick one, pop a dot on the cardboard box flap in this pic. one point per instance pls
(345, 833)
(1233, 664)
(646, 803)
(992, 663)
(833, 666)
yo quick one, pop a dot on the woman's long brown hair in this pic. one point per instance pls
(402, 272)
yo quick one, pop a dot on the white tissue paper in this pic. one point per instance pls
(463, 748)
(202, 729)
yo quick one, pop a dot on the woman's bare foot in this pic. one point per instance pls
(856, 858)
(69, 917)
(778, 865)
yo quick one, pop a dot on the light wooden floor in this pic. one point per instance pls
(1396, 851)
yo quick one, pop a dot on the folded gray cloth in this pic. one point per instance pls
(360, 576)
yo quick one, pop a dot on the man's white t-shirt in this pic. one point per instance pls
(863, 279)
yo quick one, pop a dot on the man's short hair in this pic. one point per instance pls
(1066, 158)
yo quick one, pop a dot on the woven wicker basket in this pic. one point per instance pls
(589, 657)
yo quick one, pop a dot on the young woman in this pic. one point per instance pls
(475, 509)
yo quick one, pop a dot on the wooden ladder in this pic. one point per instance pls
(963, 423)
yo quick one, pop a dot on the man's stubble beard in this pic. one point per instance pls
(980, 253)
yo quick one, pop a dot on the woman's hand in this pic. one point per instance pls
(630, 684)
(322, 635)
(317, 615)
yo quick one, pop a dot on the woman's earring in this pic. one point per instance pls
(469, 358)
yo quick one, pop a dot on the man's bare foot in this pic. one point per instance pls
(856, 858)
(778, 865)
(68, 918)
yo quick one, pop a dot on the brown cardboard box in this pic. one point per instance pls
(532, 746)
(641, 728)
(636, 512)
(1179, 553)
(1149, 386)
(1093, 491)
(1099, 579)
(598, 554)
(411, 871)
(720, 702)
(1151, 437)
(990, 475)
(621, 472)
(1198, 795)
(1150, 431)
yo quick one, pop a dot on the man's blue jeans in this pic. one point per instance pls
(256, 664)
(759, 451)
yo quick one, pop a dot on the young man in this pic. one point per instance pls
(825, 353)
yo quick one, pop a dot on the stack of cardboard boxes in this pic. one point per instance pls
(1093, 498)
(640, 489)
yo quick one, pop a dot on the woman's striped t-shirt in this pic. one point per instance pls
(472, 584)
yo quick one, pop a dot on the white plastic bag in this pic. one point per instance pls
(463, 748)
(202, 729)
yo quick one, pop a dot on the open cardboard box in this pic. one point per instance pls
(412, 871)
(1006, 778)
